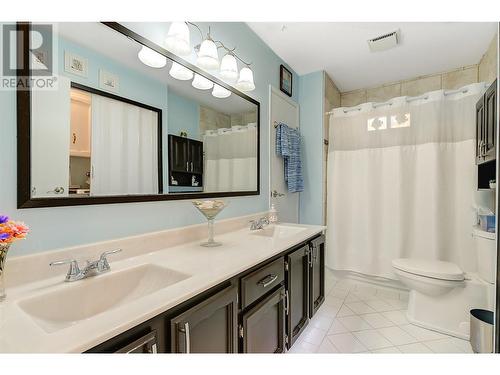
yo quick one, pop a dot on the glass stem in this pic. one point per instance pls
(211, 230)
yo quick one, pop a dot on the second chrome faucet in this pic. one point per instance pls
(92, 268)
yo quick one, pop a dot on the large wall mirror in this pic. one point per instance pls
(126, 121)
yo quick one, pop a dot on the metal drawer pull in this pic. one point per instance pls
(188, 338)
(146, 340)
(268, 280)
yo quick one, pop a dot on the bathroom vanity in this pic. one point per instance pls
(262, 310)
(254, 294)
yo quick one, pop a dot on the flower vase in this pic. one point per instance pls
(4, 248)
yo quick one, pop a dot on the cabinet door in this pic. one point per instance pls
(316, 274)
(479, 130)
(263, 326)
(195, 156)
(178, 152)
(147, 337)
(209, 327)
(297, 290)
(490, 122)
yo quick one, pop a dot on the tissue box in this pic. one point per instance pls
(487, 223)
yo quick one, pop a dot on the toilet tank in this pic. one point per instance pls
(486, 254)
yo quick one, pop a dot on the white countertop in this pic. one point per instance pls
(240, 251)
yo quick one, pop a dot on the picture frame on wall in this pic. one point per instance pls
(109, 81)
(75, 64)
(286, 80)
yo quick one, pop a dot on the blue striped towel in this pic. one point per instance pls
(288, 147)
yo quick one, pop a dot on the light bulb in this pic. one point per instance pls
(201, 83)
(208, 57)
(180, 72)
(177, 40)
(151, 58)
(220, 92)
(229, 68)
(245, 82)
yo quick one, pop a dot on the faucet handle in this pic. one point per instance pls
(103, 264)
(74, 270)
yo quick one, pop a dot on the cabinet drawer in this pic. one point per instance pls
(261, 281)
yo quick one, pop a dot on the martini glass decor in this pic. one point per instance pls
(210, 209)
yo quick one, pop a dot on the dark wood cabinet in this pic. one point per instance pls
(185, 155)
(486, 140)
(490, 122)
(263, 326)
(316, 274)
(195, 156)
(479, 130)
(278, 297)
(178, 154)
(486, 123)
(297, 290)
(209, 327)
(147, 337)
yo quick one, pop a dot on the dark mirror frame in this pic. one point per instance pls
(24, 199)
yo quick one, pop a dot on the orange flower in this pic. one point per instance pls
(12, 231)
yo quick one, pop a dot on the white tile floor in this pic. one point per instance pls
(356, 318)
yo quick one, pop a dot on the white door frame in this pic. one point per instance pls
(293, 103)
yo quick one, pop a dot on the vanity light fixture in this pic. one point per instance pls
(177, 40)
(245, 82)
(201, 83)
(229, 67)
(151, 58)
(180, 72)
(208, 57)
(220, 92)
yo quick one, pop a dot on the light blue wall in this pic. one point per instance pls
(311, 100)
(183, 115)
(132, 85)
(65, 226)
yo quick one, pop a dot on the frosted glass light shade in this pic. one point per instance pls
(177, 40)
(245, 82)
(201, 83)
(208, 57)
(180, 72)
(151, 58)
(220, 92)
(229, 68)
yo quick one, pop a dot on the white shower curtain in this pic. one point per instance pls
(124, 151)
(231, 159)
(402, 182)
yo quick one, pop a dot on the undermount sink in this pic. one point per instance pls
(278, 231)
(86, 298)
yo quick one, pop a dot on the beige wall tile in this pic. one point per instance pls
(332, 93)
(488, 64)
(420, 86)
(459, 78)
(352, 98)
(384, 93)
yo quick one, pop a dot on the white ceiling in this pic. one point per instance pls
(340, 48)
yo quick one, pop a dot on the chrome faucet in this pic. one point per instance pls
(92, 268)
(259, 224)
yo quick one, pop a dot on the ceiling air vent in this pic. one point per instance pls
(384, 42)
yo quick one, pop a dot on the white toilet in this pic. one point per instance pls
(441, 294)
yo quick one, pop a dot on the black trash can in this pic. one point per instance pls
(481, 330)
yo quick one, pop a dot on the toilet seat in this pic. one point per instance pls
(435, 269)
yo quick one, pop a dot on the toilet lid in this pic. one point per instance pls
(430, 268)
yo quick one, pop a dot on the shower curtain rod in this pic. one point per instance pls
(408, 100)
